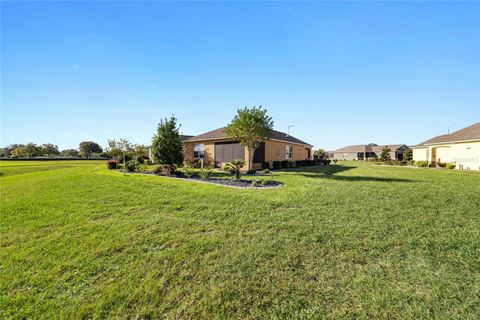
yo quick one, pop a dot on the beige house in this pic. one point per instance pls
(215, 148)
(461, 147)
(364, 151)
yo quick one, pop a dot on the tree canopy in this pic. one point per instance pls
(251, 127)
(385, 153)
(86, 148)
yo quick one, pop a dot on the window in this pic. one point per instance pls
(198, 151)
(288, 151)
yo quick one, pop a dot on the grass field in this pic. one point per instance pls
(346, 241)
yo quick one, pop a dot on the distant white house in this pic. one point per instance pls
(461, 147)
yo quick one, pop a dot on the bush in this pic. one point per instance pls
(131, 166)
(326, 162)
(291, 164)
(263, 182)
(206, 172)
(195, 163)
(450, 165)
(284, 164)
(140, 159)
(441, 164)
(142, 168)
(234, 167)
(254, 183)
(189, 171)
(277, 165)
(266, 171)
(112, 164)
(300, 163)
(165, 169)
(251, 171)
(265, 165)
(419, 163)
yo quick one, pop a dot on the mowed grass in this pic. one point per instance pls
(345, 241)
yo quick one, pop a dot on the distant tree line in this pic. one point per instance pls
(49, 150)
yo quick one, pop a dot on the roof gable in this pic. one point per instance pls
(466, 134)
(220, 134)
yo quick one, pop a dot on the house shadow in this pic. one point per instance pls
(331, 172)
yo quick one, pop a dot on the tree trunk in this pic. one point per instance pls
(251, 151)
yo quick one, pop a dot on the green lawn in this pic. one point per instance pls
(346, 241)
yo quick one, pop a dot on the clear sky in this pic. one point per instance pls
(341, 72)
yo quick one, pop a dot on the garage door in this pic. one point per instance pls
(227, 151)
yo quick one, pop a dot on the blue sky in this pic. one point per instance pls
(341, 72)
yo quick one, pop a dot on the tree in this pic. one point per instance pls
(70, 153)
(408, 154)
(117, 148)
(166, 145)
(10, 148)
(50, 149)
(321, 154)
(86, 148)
(31, 150)
(251, 127)
(234, 167)
(385, 153)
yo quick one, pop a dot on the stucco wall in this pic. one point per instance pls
(346, 156)
(465, 155)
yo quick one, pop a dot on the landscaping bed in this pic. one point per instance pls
(227, 181)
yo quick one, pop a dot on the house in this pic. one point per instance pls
(461, 147)
(215, 148)
(368, 151)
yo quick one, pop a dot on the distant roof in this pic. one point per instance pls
(220, 134)
(469, 133)
(367, 148)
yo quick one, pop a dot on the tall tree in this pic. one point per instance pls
(86, 148)
(166, 145)
(408, 154)
(50, 149)
(32, 150)
(251, 127)
(385, 153)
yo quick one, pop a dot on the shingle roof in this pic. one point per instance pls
(366, 148)
(220, 134)
(469, 133)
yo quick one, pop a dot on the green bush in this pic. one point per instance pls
(112, 164)
(251, 171)
(291, 164)
(234, 167)
(206, 172)
(189, 171)
(284, 164)
(265, 165)
(441, 164)
(450, 165)
(420, 163)
(131, 166)
(266, 171)
(254, 183)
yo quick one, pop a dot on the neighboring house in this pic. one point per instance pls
(149, 148)
(364, 151)
(461, 147)
(215, 148)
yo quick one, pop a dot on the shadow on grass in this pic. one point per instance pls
(331, 171)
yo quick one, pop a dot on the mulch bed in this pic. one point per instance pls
(227, 182)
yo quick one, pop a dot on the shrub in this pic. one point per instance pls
(131, 166)
(140, 159)
(420, 163)
(254, 183)
(165, 169)
(277, 165)
(192, 163)
(142, 168)
(189, 171)
(147, 162)
(335, 161)
(450, 165)
(299, 163)
(441, 164)
(234, 167)
(112, 164)
(251, 171)
(265, 165)
(206, 172)
(284, 164)
(263, 182)
(266, 171)
(291, 164)
(326, 162)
